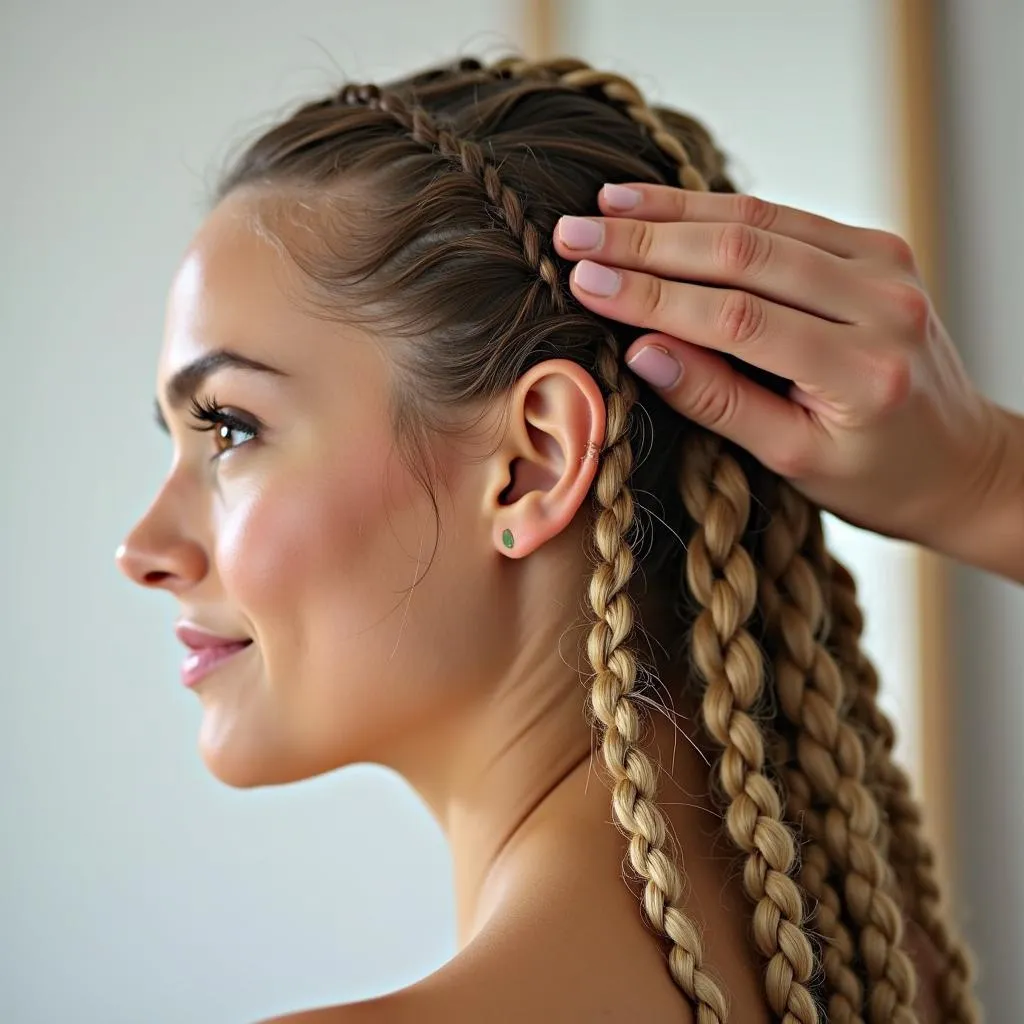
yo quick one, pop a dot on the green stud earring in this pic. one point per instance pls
(507, 539)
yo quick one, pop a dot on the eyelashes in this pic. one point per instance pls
(224, 424)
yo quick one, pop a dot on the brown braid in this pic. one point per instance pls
(721, 575)
(844, 992)
(843, 989)
(911, 853)
(633, 775)
(831, 754)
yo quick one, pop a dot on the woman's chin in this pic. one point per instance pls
(236, 759)
(243, 760)
(247, 773)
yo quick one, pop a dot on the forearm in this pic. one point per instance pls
(992, 536)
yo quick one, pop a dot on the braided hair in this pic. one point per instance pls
(446, 185)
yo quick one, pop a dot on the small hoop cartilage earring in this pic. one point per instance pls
(593, 451)
(507, 539)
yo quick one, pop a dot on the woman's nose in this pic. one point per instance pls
(150, 559)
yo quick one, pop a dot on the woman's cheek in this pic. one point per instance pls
(250, 550)
(285, 539)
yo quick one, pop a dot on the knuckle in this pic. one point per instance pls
(891, 377)
(741, 249)
(910, 306)
(653, 300)
(642, 240)
(713, 404)
(758, 213)
(896, 249)
(741, 318)
(681, 203)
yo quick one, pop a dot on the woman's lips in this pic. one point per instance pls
(208, 651)
(201, 663)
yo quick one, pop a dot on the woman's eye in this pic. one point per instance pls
(226, 436)
(230, 430)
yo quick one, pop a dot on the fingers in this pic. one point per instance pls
(667, 203)
(776, 267)
(812, 352)
(707, 390)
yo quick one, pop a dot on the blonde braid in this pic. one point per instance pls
(722, 577)
(844, 992)
(911, 852)
(876, 730)
(633, 775)
(754, 817)
(831, 754)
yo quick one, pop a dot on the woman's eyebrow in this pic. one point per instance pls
(187, 380)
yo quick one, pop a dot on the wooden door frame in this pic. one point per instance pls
(915, 27)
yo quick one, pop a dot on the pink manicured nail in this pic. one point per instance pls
(619, 197)
(597, 280)
(580, 232)
(656, 366)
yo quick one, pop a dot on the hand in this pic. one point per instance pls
(881, 425)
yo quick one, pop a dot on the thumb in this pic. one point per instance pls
(703, 387)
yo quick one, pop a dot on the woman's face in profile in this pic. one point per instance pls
(287, 521)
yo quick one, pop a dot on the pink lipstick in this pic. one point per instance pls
(207, 651)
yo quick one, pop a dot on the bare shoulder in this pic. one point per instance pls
(562, 958)
(450, 995)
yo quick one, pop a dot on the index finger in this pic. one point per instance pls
(669, 203)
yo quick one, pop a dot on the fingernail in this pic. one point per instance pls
(597, 280)
(580, 232)
(619, 197)
(656, 366)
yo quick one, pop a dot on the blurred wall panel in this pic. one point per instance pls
(981, 163)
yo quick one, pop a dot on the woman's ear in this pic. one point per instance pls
(548, 458)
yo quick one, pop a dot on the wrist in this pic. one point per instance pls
(988, 529)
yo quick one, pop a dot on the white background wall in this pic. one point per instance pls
(133, 887)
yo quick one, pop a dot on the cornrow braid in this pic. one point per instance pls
(831, 754)
(721, 575)
(911, 854)
(469, 157)
(620, 92)
(612, 698)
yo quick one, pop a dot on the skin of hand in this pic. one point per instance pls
(877, 420)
